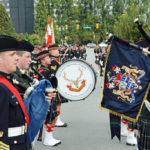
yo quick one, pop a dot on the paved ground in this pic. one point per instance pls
(88, 126)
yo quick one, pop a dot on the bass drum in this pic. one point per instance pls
(76, 80)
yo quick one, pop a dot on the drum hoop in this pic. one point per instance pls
(94, 73)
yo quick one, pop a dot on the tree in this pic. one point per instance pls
(125, 27)
(5, 22)
(115, 16)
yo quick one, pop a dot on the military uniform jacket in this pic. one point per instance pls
(45, 73)
(77, 54)
(70, 54)
(54, 65)
(21, 81)
(53, 69)
(11, 115)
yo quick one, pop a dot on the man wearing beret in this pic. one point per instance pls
(13, 114)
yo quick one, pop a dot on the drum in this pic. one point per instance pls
(76, 80)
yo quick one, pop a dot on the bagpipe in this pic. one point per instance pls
(54, 82)
(37, 97)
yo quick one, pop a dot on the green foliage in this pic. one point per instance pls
(115, 16)
(5, 22)
(34, 39)
(125, 28)
(20, 36)
(42, 11)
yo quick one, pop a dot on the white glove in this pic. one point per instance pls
(35, 82)
(29, 89)
(101, 63)
(147, 104)
(136, 20)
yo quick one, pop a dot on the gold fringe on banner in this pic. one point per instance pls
(113, 112)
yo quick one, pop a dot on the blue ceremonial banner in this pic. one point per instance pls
(126, 80)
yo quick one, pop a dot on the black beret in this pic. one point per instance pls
(53, 47)
(25, 46)
(8, 43)
(142, 43)
(43, 54)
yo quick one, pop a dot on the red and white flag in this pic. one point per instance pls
(48, 35)
(52, 29)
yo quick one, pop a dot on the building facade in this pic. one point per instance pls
(21, 13)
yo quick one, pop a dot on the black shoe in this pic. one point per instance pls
(130, 144)
(39, 139)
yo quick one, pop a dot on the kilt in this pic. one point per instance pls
(52, 113)
(144, 140)
(133, 125)
(62, 99)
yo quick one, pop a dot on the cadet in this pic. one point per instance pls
(12, 109)
(44, 72)
(54, 53)
(21, 80)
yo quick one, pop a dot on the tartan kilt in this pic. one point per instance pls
(144, 140)
(135, 125)
(52, 113)
(62, 99)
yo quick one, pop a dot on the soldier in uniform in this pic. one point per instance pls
(102, 57)
(84, 52)
(70, 53)
(54, 53)
(13, 111)
(77, 53)
(21, 80)
(34, 63)
(44, 72)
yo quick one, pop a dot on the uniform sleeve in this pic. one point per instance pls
(46, 75)
(4, 116)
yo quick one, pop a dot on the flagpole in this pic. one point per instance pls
(128, 43)
(145, 35)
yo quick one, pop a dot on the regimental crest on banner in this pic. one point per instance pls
(125, 82)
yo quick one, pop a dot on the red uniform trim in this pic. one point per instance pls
(39, 71)
(55, 59)
(16, 93)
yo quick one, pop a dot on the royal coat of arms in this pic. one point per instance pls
(125, 82)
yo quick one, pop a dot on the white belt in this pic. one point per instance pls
(16, 131)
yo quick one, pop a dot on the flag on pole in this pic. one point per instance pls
(126, 80)
(53, 35)
(48, 35)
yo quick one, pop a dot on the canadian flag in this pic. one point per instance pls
(48, 35)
